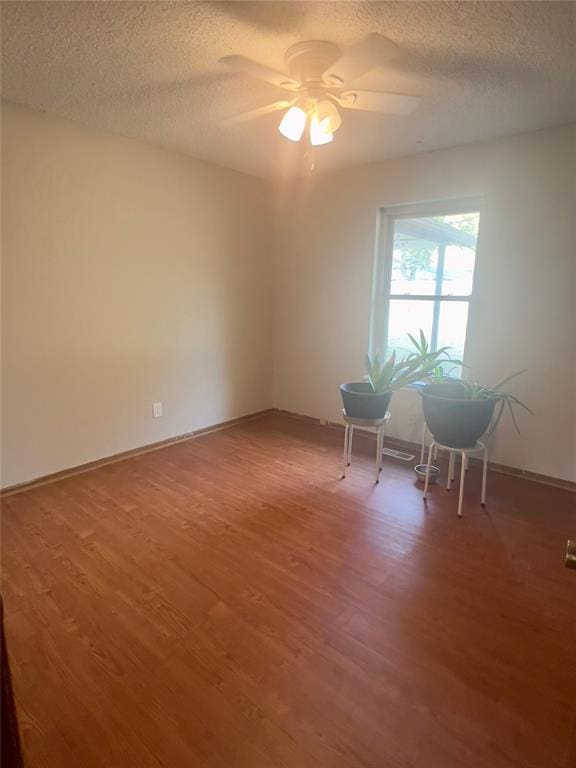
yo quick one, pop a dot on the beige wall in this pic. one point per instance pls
(130, 275)
(524, 313)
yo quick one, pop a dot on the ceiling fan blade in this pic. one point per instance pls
(259, 71)
(252, 114)
(369, 53)
(376, 101)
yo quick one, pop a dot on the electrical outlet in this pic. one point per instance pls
(156, 410)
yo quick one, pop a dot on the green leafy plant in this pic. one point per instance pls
(420, 364)
(422, 348)
(474, 391)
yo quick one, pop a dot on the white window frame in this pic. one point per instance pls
(382, 277)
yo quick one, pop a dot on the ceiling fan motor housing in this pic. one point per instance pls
(307, 61)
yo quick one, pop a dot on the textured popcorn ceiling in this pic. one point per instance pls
(149, 70)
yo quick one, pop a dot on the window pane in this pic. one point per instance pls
(459, 256)
(414, 259)
(452, 328)
(407, 317)
(434, 254)
(458, 271)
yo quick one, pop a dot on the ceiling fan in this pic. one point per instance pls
(320, 83)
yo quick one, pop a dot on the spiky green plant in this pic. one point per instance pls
(420, 364)
(474, 391)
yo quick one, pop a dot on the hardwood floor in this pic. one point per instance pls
(229, 602)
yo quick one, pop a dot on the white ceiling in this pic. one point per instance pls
(149, 70)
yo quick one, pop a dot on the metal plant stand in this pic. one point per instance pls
(376, 424)
(464, 452)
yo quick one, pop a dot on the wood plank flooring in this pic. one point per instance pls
(229, 602)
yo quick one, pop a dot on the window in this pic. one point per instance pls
(424, 276)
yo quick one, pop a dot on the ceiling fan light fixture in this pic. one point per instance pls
(318, 133)
(293, 124)
(328, 116)
(319, 79)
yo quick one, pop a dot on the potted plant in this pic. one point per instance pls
(370, 399)
(458, 413)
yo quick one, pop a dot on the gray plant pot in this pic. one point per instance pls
(451, 418)
(361, 402)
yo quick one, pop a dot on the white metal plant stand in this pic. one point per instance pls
(423, 443)
(376, 424)
(464, 453)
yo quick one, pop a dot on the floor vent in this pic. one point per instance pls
(398, 454)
